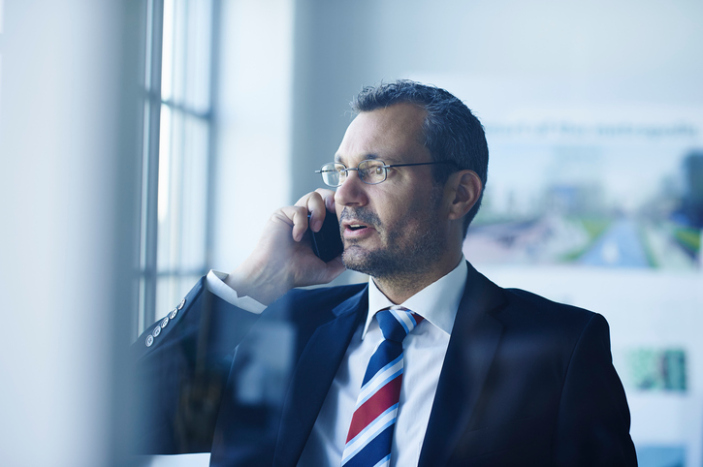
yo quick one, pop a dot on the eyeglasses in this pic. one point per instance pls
(370, 171)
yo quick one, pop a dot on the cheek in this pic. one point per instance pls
(404, 209)
(402, 219)
(421, 212)
(391, 210)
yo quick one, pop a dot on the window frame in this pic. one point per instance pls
(153, 102)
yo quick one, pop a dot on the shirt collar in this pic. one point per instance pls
(437, 303)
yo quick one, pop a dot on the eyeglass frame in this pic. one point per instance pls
(385, 168)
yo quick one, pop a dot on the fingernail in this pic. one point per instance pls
(317, 226)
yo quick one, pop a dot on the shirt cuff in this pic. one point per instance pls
(215, 285)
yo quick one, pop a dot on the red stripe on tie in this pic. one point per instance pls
(374, 406)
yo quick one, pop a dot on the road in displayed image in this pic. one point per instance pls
(623, 242)
(620, 246)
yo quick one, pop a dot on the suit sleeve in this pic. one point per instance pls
(181, 364)
(594, 420)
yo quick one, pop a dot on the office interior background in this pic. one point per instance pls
(145, 142)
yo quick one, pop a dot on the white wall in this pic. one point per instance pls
(254, 123)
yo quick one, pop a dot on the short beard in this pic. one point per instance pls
(397, 262)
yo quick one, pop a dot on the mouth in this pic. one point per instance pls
(358, 224)
(353, 228)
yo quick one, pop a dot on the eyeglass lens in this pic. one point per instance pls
(370, 171)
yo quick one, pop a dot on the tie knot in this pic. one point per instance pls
(397, 322)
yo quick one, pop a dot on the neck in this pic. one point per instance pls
(400, 287)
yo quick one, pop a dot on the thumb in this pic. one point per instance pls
(333, 269)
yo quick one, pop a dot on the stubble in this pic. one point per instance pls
(410, 247)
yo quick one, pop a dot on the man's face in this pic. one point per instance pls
(392, 228)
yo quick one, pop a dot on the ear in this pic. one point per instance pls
(462, 190)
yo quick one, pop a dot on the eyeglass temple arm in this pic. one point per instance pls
(418, 163)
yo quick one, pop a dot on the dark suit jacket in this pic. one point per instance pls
(525, 381)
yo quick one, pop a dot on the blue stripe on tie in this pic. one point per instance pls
(385, 461)
(374, 451)
(396, 315)
(388, 351)
(377, 363)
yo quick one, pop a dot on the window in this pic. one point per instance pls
(177, 181)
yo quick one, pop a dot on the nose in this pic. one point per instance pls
(352, 192)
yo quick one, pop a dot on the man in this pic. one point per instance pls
(428, 364)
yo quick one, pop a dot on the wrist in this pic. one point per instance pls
(255, 282)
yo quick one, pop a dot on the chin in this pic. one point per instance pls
(353, 257)
(356, 259)
(376, 263)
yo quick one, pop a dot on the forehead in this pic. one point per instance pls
(393, 134)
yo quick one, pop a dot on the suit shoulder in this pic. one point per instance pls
(524, 306)
(549, 331)
(533, 301)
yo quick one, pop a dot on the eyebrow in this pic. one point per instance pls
(367, 157)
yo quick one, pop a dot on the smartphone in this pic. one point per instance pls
(327, 243)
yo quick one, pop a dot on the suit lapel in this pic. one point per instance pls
(318, 362)
(475, 338)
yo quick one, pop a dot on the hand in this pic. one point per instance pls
(283, 258)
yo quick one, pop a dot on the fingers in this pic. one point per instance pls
(317, 204)
(328, 196)
(298, 217)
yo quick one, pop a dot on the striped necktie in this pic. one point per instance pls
(371, 430)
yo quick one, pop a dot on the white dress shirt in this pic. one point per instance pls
(423, 348)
